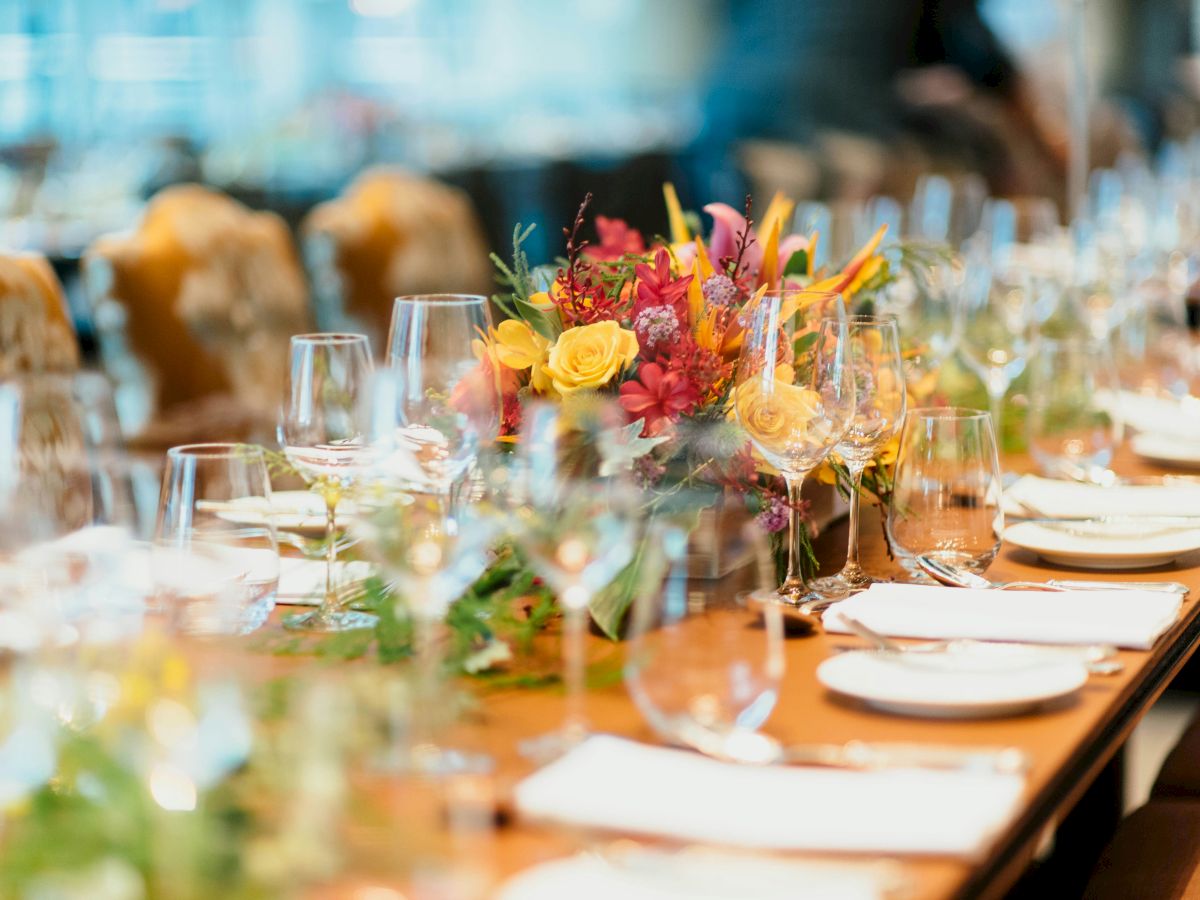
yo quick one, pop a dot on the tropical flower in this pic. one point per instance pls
(519, 347)
(659, 396)
(587, 357)
(616, 240)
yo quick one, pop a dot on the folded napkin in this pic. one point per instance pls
(615, 784)
(1155, 415)
(1127, 618)
(697, 874)
(1048, 497)
(300, 578)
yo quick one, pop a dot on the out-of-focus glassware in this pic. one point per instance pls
(947, 491)
(794, 396)
(579, 526)
(431, 550)
(925, 298)
(880, 401)
(445, 403)
(213, 573)
(704, 666)
(1153, 347)
(322, 439)
(1072, 425)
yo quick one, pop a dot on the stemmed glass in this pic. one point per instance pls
(445, 400)
(879, 390)
(947, 490)
(794, 396)
(999, 319)
(578, 527)
(321, 437)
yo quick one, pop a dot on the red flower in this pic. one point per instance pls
(616, 239)
(660, 397)
(656, 286)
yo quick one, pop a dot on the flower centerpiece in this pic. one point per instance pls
(659, 324)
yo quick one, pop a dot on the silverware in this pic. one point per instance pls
(955, 576)
(1098, 659)
(755, 748)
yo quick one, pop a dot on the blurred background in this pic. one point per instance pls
(503, 111)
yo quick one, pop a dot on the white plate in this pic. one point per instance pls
(302, 512)
(1167, 450)
(977, 681)
(1092, 545)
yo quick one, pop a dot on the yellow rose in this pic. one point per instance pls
(589, 356)
(777, 414)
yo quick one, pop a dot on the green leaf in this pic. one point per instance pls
(797, 264)
(805, 342)
(546, 325)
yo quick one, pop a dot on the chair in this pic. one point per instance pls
(391, 233)
(193, 312)
(1155, 855)
(36, 334)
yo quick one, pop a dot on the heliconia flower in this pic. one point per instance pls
(659, 396)
(616, 239)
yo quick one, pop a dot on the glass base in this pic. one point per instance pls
(548, 747)
(329, 623)
(839, 586)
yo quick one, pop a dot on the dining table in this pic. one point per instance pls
(1068, 744)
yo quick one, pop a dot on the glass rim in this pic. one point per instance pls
(864, 319)
(441, 299)
(330, 337)
(963, 413)
(216, 450)
(788, 292)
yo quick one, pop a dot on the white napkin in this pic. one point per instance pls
(696, 874)
(1127, 618)
(1155, 415)
(301, 578)
(1048, 497)
(615, 784)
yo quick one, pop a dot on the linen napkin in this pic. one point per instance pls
(615, 784)
(300, 578)
(697, 874)
(1155, 415)
(1127, 618)
(1049, 497)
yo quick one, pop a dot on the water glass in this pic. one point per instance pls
(213, 573)
(947, 491)
(704, 666)
(1072, 431)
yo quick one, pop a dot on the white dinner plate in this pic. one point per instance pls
(302, 512)
(978, 680)
(1099, 545)
(1167, 450)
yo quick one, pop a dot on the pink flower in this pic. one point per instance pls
(659, 396)
(616, 239)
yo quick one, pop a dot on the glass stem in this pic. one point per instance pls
(852, 571)
(428, 648)
(794, 586)
(996, 389)
(575, 618)
(330, 604)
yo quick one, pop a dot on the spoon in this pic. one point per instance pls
(954, 576)
(1098, 659)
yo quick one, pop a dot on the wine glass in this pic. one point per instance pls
(704, 666)
(444, 401)
(321, 437)
(794, 396)
(213, 572)
(880, 393)
(1072, 431)
(578, 526)
(947, 490)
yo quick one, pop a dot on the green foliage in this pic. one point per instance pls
(797, 264)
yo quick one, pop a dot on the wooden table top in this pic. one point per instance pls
(1068, 744)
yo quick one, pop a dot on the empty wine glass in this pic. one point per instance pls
(444, 400)
(214, 575)
(999, 321)
(794, 396)
(321, 437)
(880, 394)
(946, 492)
(1072, 425)
(578, 526)
(704, 666)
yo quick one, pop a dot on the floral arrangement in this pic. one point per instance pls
(659, 325)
